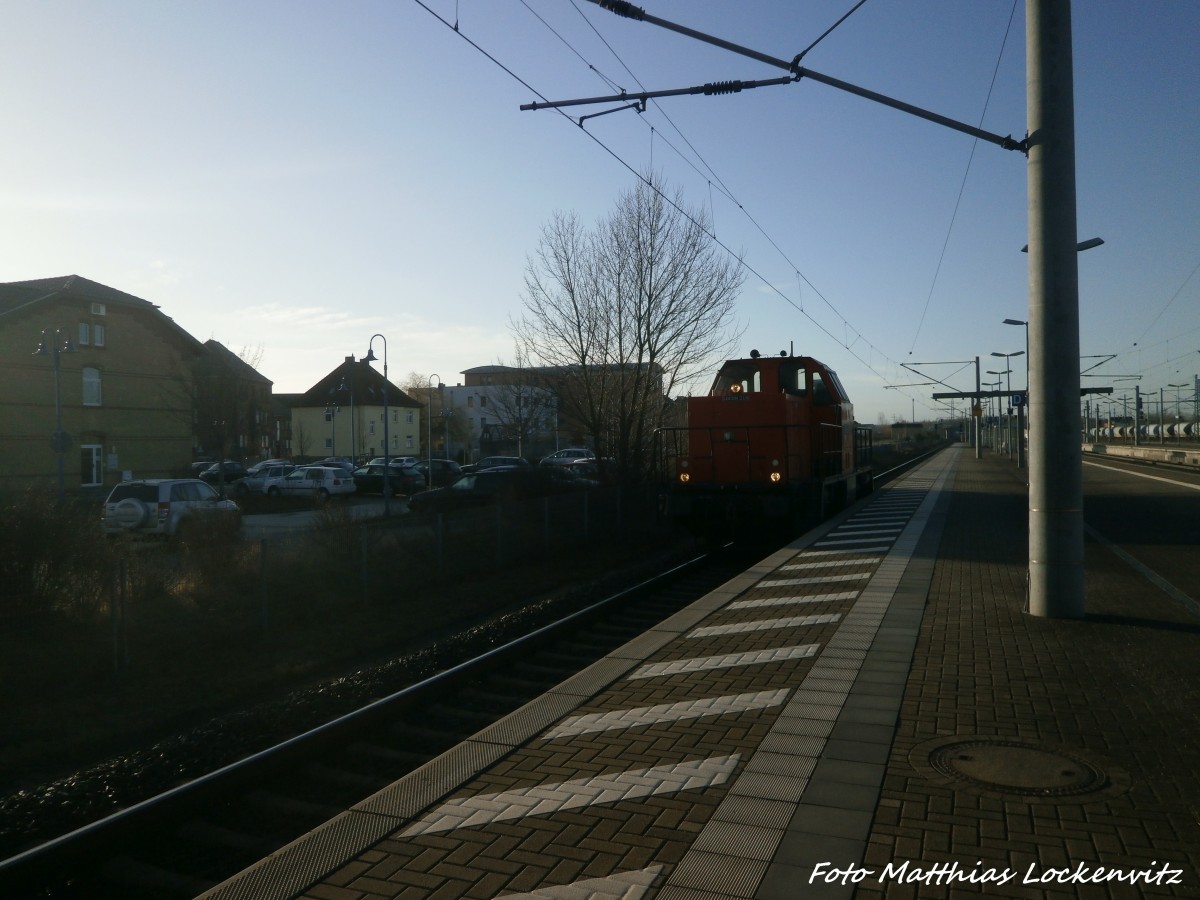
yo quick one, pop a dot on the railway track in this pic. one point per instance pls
(179, 843)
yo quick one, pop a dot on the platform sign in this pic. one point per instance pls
(1017, 400)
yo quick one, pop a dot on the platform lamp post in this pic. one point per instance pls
(387, 445)
(1000, 406)
(1008, 365)
(61, 440)
(1021, 408)
(429, 425)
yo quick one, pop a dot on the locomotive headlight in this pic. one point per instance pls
(684, 477)
(775, 477)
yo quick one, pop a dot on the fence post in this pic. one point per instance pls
(439, 535)
(264, 610)
(117, 611)
(364, 574)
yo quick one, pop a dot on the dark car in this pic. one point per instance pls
(444, 471)
(502, 484)
(401, 479)
(495, 462)
(336, 462)
(227, 472)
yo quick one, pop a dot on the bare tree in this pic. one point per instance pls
(628, 312)
(525, 410)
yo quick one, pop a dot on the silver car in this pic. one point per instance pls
(320, 482)
(165, 506)
(263, 477)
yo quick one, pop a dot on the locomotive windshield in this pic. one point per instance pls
(736, 378)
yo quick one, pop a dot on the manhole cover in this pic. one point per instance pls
(1017, 768)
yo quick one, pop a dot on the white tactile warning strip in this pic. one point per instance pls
(830, 563)
(763, 625)
(621, 886)
(857, 540)
(667, 712)
(824, 579)
(544, 799)
(791, 601)
(724, 661)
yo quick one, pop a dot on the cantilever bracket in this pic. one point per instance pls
(639, 105)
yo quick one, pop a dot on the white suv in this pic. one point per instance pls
(162, 506)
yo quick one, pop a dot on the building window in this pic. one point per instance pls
(328, 443)
(408, 442)
(470, 402)
(408, 417)
(85, 334)
(91, 386)
(371, 428)
(98, 335)
(482, 402)
(91, 469)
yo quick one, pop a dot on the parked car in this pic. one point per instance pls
(227, 472)
(200, 465)
(319, 482)
(261, 477)
(499, 484)
(443, 473)
(401, 479)
(567, 457)
(165, 506)
(337, 462)
(493, 462)
(394, 461)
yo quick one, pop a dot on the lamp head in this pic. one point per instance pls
(370, 357)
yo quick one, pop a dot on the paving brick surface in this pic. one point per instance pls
(1119, 688)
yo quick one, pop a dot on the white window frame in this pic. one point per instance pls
(98, 334)
(93, 394)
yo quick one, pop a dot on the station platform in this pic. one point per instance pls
(866, 713)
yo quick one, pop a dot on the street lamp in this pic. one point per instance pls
(387, 446)
(1021, 408)
(61, 440)
(429, 425)
(1008, 367)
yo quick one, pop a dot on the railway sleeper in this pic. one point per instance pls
(287, 807)
(199, 831)
(137, 878)
(457, 718)
(341, 777)
(377, 754)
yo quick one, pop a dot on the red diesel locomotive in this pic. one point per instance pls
(773, 444)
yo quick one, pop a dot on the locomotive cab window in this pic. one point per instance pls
(792, 379)
(820, 389)
(737, 379)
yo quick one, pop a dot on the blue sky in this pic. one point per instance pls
(301, 175)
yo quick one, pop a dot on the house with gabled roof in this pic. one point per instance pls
(343, 415)
(95, 383)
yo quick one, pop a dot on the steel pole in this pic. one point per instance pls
(1056, 586)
